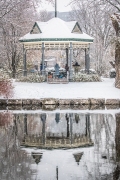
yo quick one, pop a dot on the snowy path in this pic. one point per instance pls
(104, 89)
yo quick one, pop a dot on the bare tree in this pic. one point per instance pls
(93, 17)
(115, 4)
(44, 15)
(16, 18)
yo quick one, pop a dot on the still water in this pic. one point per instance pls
(60, 145)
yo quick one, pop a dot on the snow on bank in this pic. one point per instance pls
(104, 89)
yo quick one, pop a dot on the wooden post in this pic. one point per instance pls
(55, 8)
(87, 60)
(24, 62)
(43, 56)
(71, 58)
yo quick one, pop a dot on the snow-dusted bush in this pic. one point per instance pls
(86, 78)
(36, 78)
(6, 87)
(91, 71)
(3, 74)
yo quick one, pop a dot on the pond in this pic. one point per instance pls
(60, 145)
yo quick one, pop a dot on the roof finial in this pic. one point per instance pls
(55, 8)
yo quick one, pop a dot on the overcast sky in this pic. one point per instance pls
(62, 6)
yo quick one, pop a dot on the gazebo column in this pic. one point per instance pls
(25, 124)
(71, 128)
(67, 56)
(43, 119)
(43, 58)
(67, 119)
(87, 60)
(24, 62)
(87, 125)
(71, 58)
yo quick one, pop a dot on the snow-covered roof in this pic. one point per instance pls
(56, 30)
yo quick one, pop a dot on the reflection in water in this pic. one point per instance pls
(92, 143)
(37, 157)
(116, 174)
(78, 156)
(14, 162)
(57, 131)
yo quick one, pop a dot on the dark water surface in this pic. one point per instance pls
(60, 145)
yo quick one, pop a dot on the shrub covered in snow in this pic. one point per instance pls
(91, 71)
(36, 78)
(86, 78)
(3, 74)
(6, 87)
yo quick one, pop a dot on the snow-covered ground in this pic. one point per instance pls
(104, 89)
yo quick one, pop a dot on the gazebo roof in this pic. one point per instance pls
(56, 30)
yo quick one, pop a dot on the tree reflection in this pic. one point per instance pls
(14, 162)
(5, 119)
(116, 174)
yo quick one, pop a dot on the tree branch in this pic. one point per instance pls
(9, 10)
(114, 4)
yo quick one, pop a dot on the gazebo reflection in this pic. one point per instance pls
(58, 131)
(37, 157)
(78, 157)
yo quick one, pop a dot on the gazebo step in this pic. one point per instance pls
(57, 81)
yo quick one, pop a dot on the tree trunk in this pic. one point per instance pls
(117, 137)
(117, 63)
(13, 68)
(116, 174)
(116, 24)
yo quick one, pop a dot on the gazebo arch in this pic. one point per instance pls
(57, 34)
